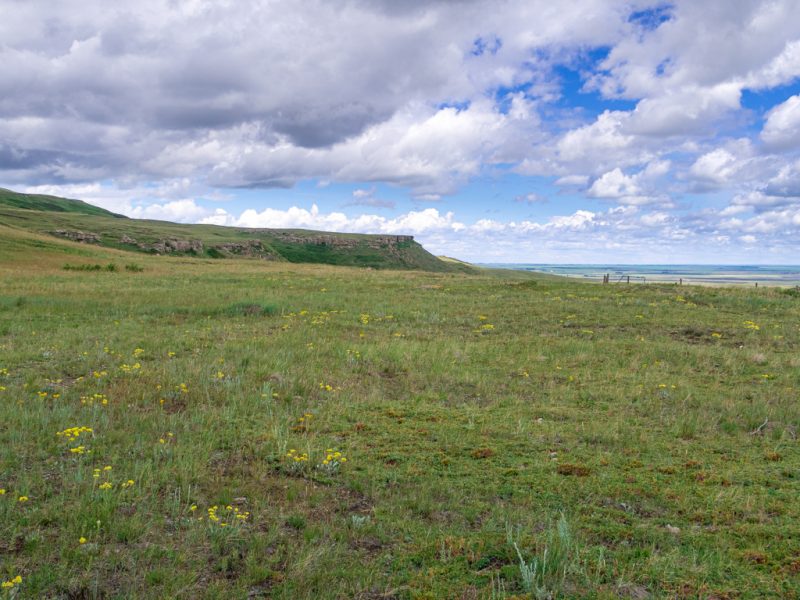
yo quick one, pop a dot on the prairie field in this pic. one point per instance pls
(193, 428)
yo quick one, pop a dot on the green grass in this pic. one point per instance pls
(473, 412)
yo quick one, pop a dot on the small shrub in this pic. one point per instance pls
(110, 267)
(296, 522)
(523, 285)
(544, 576)
(249, 309)
(482, 453)
(794, 292)
(570, 469)
(133, 268)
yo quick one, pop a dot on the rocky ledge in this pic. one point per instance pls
(85, 237)
(373, 241)
(167, 246)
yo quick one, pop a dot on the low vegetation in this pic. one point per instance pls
(251, 429)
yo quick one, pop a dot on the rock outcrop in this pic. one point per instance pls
(167, 246)
(85, 237)
(373, 241)
(251, 248)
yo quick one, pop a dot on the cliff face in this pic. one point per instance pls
(166, 246)
(336, 241)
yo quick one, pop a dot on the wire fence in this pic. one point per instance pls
(617, 278)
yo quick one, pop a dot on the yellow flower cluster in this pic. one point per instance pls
(319, 318)
(332, 462)
(138, 352)
(73, 433)
(7, 585)
(94, 399)
(751, 325)
(302, 423)
(231, 515)
(126, 368)
(333, 456)
(107, 485)
(296, 456)
(96, 472)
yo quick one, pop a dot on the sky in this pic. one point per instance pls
(530, 131)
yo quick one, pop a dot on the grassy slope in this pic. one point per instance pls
(9, 198)
(44, 214)
(629, 409)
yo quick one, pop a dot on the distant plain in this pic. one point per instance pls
(776, 275)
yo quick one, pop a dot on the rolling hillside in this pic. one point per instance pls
(77, 221)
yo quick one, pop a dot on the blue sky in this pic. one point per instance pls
(593, 131)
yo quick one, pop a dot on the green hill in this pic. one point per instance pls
(80, 222)
(9, 198)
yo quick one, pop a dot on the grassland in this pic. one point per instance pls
(642, 438)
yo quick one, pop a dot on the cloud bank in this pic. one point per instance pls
(679, 120)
